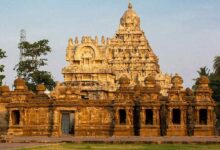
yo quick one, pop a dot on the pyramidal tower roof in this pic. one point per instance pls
(128, 53)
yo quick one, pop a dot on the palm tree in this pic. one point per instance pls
(216, 65)
(204, 71)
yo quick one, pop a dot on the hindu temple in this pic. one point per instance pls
(112, 87)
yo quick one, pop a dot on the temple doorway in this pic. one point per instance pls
(203, 116)
(136, 119)
(176, 116)
(16, 117)
(122, 116)
(67, 123)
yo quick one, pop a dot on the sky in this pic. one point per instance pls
(184, 34)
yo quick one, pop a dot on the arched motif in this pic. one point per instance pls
(86, 50)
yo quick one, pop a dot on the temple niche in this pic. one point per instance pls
(177, 108)
(204, 113)
(112, 87)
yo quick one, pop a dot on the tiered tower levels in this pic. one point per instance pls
(92, 65)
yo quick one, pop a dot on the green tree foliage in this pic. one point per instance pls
(29, 68)
(2, 55)
(216, 66)
(204, 71)
(215, 86)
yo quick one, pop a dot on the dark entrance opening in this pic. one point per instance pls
(203, 116)
(136, 119)
(16, 117)
(122, 116)
(68, 122)
(176, 116)
(149, 117)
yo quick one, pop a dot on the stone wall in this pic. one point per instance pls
(94, 121)
(36, 121)
(3, 119)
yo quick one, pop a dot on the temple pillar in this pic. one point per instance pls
(170, 116)
(208, 116)
(197, 116)
(117, 116)
(154, 117)
(181, 117)
(142, 116)
(128, 119)
(56, 129)
(158, 117)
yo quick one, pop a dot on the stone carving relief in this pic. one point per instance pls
(94, 115)
(128, 52)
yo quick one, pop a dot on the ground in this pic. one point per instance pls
(113, 143)
(70, 146)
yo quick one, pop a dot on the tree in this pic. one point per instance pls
(215, 86)
(204, 71)
(216, 65)
(29, 67)
(2, 55)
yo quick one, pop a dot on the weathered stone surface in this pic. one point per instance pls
(114, 88)
(128, 53)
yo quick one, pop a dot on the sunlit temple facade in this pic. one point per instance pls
(112, 87)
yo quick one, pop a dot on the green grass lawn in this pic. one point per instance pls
(68, 146)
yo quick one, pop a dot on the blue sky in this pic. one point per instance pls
(184, 34)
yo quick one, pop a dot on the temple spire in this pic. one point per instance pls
(130, 21)
(129, 5)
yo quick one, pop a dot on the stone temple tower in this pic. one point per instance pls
(94, 65)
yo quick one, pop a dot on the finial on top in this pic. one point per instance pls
(129, 5)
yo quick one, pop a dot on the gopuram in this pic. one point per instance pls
(111, 88)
